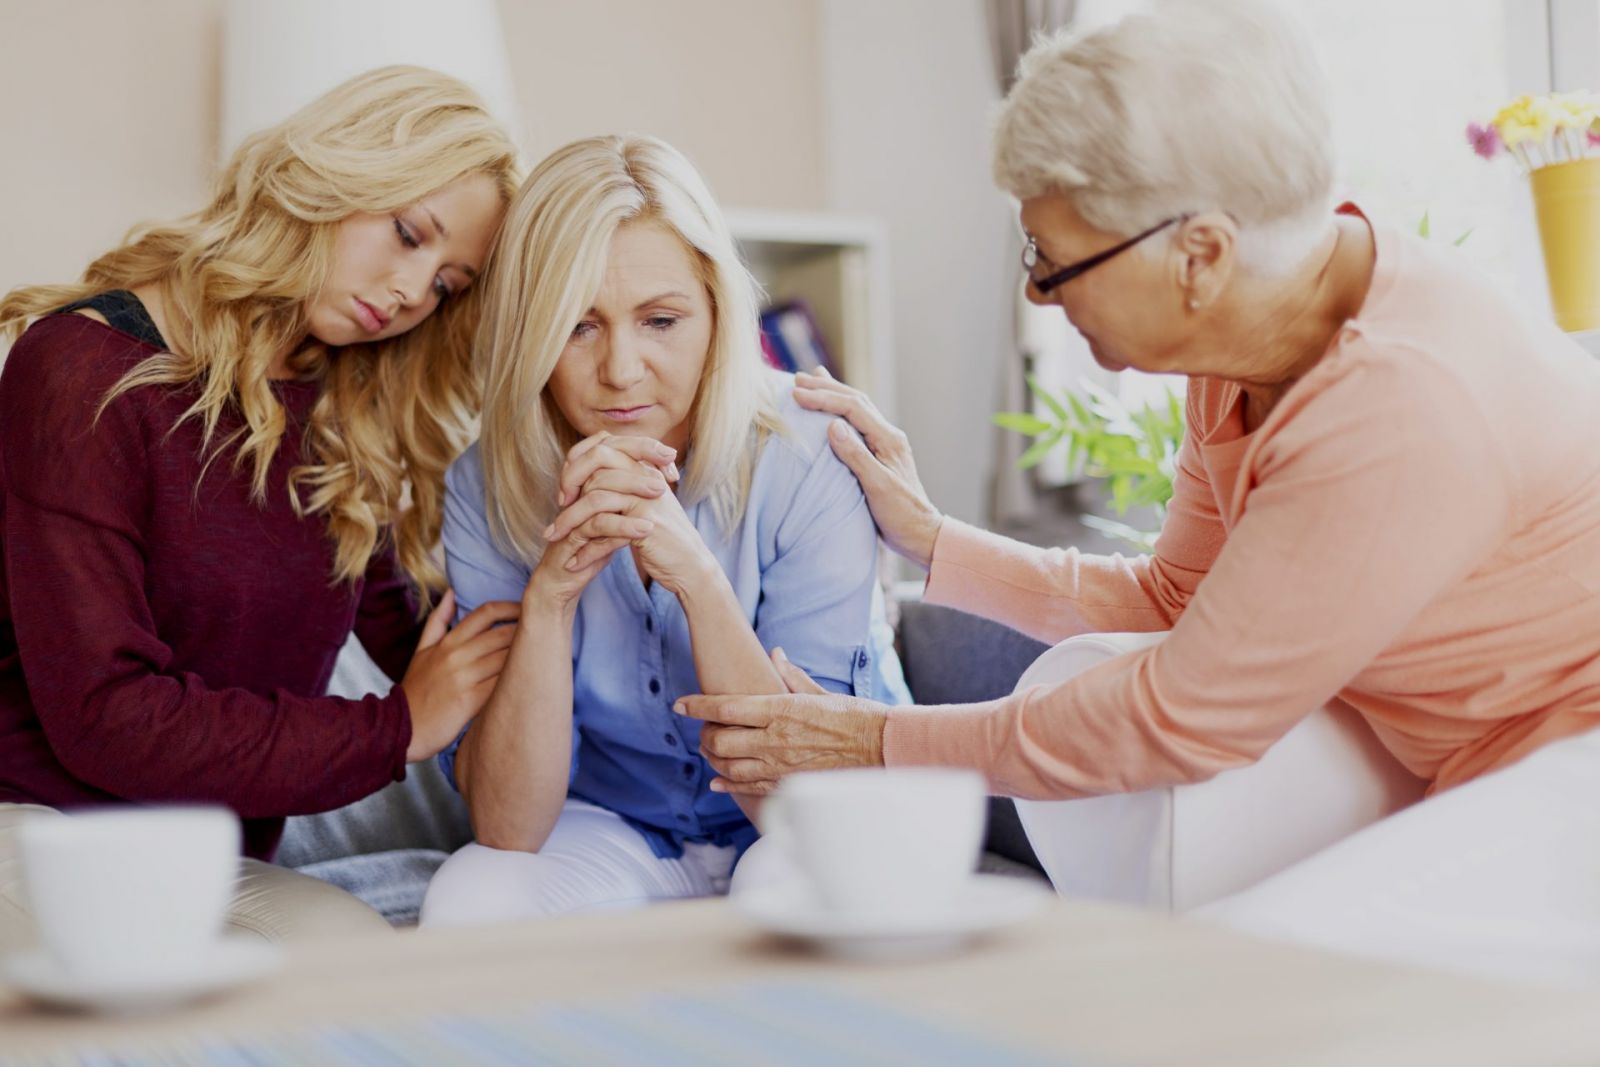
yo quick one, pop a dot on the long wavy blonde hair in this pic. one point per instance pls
(236, 279)
(542, 278)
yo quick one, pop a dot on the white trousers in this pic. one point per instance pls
(1179, 847)
(1497, 877)
(592, 861)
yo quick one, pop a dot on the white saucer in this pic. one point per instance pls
(234, 961)
(987, 902)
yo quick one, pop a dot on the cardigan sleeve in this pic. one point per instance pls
(1382, 490)
(116, 712)
(386, 619)
(1053, 593)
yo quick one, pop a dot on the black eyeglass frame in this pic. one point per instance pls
(1030, 258)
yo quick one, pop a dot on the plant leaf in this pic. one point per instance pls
(1144, 542)
(1044, 395)
(1036, 453)
(1022, 422)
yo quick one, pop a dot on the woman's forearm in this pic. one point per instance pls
(514, 764)
(728, 657)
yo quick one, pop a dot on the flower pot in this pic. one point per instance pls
(1566, 199)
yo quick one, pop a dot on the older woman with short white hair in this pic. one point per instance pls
(1388, 495)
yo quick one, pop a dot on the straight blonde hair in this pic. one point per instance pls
(543, 278)
(236, 278)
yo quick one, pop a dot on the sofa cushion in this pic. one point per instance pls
(951, 657)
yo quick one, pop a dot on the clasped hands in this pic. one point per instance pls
(616, 491)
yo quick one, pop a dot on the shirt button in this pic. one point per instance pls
(689, 770)
(671, 739)
(655, 685)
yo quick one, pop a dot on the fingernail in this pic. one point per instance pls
(549, 531)
(642, 529)
(679, 708)
(571, 564)
(668, 451)
(716, 786)
(672, 472)
(779, 654)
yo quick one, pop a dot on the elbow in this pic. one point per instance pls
(507, 840)
(510, 822)
(509, 830)
(94, 751)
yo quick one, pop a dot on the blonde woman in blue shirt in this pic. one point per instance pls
(620, 346)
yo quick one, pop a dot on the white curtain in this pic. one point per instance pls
(1031, 335)
(1042, 342)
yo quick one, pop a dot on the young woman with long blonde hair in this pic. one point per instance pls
(221, 451)
(620, 342)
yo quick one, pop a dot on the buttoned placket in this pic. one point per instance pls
(654, 604)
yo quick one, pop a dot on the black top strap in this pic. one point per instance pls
(122, 311)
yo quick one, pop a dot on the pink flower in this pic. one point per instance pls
(1594, 138)
(1484, 139)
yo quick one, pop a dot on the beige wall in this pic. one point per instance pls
(110, 112)
(917, 157)
(109, 119)
(735, 84)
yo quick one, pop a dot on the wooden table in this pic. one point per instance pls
(1092, 983)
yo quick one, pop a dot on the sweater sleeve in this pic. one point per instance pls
(1052, 593)
(116, 712)
(1374, 493)
(386, 620)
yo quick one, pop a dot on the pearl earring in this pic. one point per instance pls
(1194, 305)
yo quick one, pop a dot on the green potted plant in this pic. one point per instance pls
(1134, 451)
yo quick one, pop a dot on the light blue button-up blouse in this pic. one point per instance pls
(803, 564)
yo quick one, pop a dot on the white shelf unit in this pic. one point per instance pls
(839, 266)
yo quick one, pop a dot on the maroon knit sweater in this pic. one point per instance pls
(162, 637)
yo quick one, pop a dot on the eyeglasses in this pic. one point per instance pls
(1030, 258)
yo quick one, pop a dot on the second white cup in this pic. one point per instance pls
(892, 841)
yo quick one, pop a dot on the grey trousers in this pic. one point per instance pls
(272, 902)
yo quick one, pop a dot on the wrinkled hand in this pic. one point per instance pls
(754, 741)
(453, 671)
(882, 464)
(612, 481)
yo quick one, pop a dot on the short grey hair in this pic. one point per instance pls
(1187, 107)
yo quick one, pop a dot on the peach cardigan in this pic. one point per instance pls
(1414, 530)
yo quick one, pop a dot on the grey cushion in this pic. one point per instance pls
(422, 812)
(392, 882)
(951, 657)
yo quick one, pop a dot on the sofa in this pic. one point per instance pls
(1175, 848)
(385, 847)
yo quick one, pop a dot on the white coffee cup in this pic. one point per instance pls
(118, 893)
(894, 841)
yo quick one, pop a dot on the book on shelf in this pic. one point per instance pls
(791, 341)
